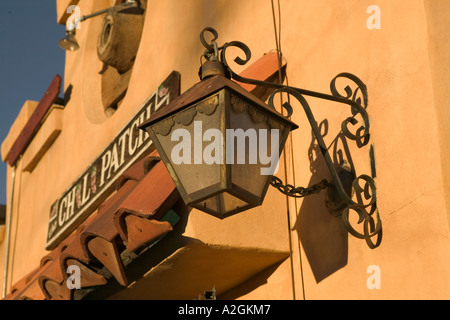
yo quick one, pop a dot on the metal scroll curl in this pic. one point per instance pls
(358, 100)
(364, 209)
(371, 227)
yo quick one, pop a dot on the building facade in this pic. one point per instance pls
(86, 186)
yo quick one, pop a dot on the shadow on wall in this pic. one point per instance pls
(322, 235)
(251, 284)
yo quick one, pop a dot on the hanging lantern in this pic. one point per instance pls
(220, 143)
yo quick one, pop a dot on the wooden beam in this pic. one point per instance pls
(34, 122)
(265, 68)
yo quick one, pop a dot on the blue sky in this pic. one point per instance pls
(29, 59)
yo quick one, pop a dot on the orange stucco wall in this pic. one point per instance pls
(405, 67)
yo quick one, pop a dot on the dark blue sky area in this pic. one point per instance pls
(29, 59)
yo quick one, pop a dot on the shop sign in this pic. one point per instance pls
(97, 182)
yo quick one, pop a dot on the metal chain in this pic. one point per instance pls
(298, 192)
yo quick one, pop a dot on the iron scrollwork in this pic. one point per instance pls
(357, 99)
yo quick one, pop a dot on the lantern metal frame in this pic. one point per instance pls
(341, 188)
(220, 100)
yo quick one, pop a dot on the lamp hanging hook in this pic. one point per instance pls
(212, 49)
(202, 37)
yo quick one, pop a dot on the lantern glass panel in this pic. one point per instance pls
(181, 138)
(255, 145)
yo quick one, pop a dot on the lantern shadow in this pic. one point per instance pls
(322, 235)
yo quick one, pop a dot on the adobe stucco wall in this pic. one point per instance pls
(404, 67)
(439, 51)
(394, 62)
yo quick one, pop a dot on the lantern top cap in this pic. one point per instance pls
(206, 88)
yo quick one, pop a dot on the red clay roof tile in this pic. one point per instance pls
(147, 200)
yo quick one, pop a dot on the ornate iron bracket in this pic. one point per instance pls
(357, 99)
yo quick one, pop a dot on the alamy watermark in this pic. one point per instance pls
(374, 20)
(74, 280)
(235, 142)
(374, 280)
(73, 22)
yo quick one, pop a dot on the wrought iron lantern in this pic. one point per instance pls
(221, 144)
